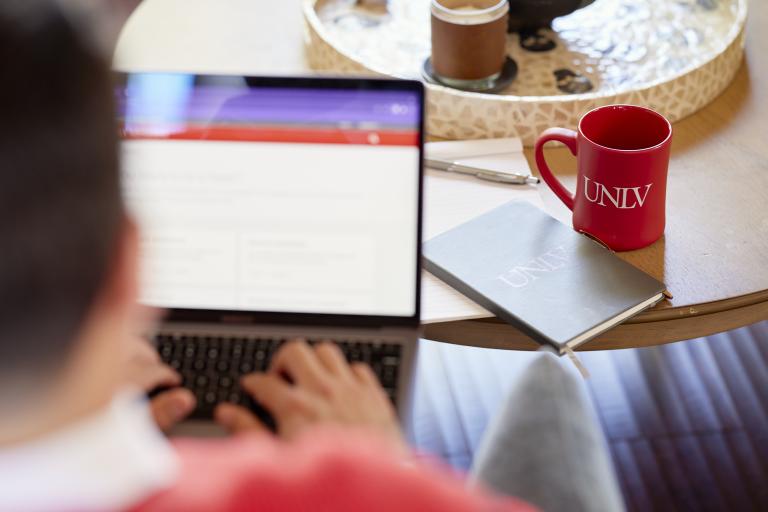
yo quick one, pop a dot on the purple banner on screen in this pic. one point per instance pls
(173, 98)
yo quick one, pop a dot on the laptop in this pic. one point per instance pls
(272, 209)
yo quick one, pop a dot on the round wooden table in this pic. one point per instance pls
(714, 255)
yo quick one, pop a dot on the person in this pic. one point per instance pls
(76, 430)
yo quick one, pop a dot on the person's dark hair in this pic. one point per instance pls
(60, 205)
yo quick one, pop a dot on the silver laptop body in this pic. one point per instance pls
(274, 209)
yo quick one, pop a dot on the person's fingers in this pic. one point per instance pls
(332, 358)
(157, 376)
(161, 375)
(144, 352)
(170, 407)
(274, 394)
(237, 419)
(365, 374)
(298, 361)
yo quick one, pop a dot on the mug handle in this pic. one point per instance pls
(567, 137)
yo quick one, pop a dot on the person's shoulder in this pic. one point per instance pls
(329, 470)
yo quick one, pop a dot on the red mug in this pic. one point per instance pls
(623, 159)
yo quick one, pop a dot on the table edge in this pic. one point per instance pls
(682, 324)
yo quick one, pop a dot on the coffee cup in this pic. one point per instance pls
(623, 158)
(469, 42)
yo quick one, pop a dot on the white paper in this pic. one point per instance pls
(465, 149)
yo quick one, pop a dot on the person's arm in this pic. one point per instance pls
(339, 448)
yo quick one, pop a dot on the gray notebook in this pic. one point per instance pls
(554, 284)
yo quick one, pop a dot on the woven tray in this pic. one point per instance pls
(672, 56)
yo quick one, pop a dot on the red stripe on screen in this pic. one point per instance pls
(281, 134)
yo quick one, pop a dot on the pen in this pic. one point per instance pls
(483, 174)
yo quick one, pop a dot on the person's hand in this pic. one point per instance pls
(307, 387)
(147, 372)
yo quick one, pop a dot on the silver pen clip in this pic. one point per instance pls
(512, 179)
(480, 173)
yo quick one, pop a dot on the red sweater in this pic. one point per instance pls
(328, 471)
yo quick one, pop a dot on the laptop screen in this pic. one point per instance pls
(274, 195)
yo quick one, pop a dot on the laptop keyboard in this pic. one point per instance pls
(211, 367)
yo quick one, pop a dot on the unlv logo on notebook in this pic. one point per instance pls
(625, 198)
(521, 275)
